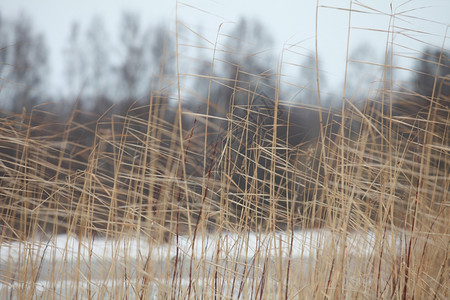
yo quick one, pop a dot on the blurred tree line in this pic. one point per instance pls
(101, 73)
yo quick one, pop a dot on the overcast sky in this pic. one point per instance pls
(289, 22)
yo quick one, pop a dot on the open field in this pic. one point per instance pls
(227, 264)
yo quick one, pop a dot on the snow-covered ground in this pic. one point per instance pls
(64, 263)
(304, 244)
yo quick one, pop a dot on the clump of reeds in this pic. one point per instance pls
(150, 206)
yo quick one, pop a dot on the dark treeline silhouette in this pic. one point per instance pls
(101, 72)
(119, 88)
(23, 64)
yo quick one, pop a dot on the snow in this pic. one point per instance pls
(81, 264)
(304, 244)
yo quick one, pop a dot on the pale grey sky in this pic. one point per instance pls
(289, 22)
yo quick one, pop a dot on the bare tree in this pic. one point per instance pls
(248, 65)
(162, 50)
(308, 79)
(98, 59)
(4, 39)
(433, 65)
(25, 57)
(132, 69)
(76, 67)
(362, 72)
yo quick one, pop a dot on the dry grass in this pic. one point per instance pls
(226, 207)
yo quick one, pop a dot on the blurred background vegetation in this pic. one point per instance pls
(109, 84)
(100, 74)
